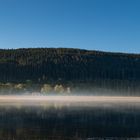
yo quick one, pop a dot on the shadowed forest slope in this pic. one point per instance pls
(51, 65)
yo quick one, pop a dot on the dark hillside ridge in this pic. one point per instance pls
(52, 65)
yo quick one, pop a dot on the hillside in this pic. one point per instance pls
(50, 65)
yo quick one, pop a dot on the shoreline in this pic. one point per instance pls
(61, 98)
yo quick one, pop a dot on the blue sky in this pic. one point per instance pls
(108, 25)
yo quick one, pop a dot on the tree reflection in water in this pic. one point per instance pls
(68, 123)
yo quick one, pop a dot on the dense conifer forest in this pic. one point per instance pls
(74, 67)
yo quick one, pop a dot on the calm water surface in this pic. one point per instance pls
(69, 119)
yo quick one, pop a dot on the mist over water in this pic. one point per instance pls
(69, 117)
(69, 100)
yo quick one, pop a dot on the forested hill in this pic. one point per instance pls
(67, 65)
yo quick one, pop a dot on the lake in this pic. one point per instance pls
(69, 118)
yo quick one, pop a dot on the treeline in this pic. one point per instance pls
(33, 89)
(70, 66)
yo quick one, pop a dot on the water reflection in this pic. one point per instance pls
(70, 121)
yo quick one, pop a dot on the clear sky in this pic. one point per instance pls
(108, 25)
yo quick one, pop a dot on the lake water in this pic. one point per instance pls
(69, 118)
